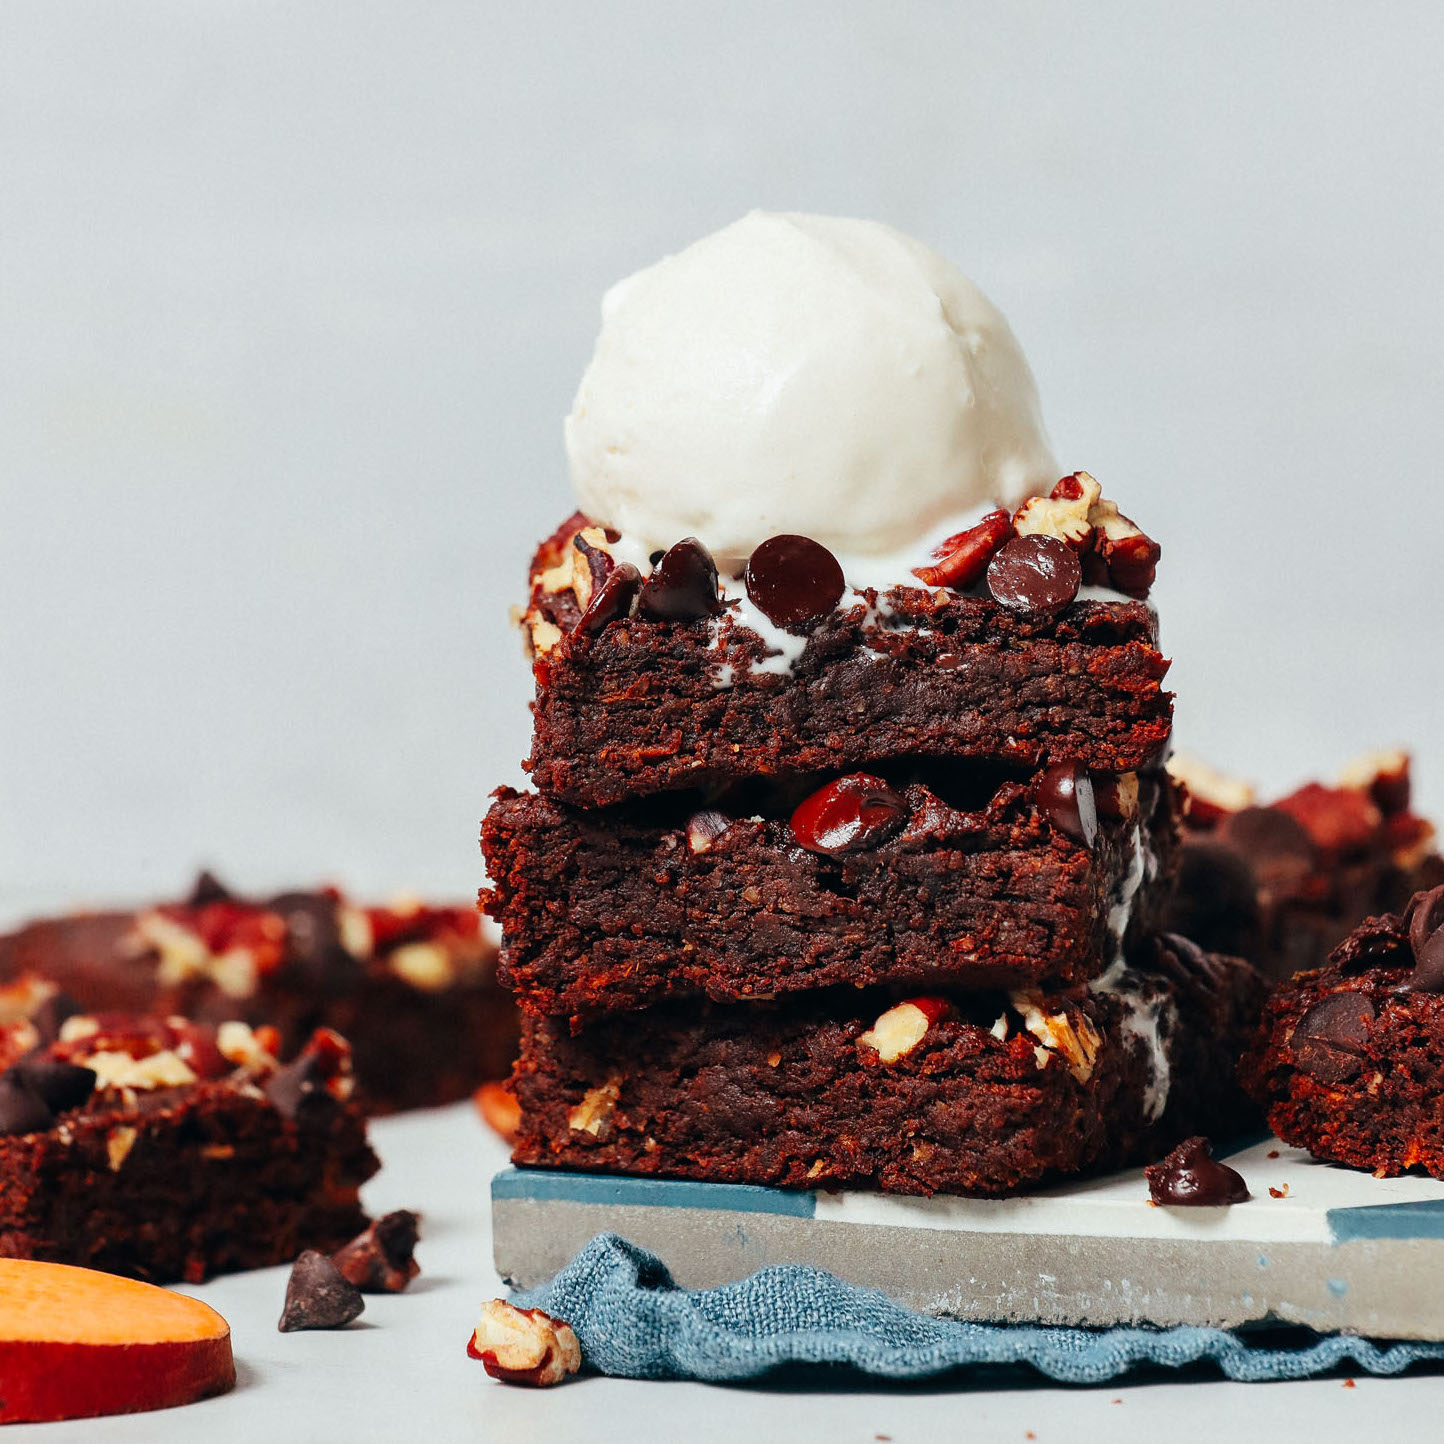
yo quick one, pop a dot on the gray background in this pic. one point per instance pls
(293, 299)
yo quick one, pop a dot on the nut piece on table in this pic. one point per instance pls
(380, 1261)
(524, 1346)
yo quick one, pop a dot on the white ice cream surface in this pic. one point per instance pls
(808, 374)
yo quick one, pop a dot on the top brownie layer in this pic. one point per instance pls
(632, 704)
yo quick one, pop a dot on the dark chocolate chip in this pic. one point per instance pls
(1037, 575)
(794, 581)
(299, 1091)
(381, 1259)
(1424, 917)
(313, 934)
(1276, 845)
(1328, 1039)
(1190, 1177)
(60, 1086)
(612, 601)
(1065, 796)
(855, 812)
(52, 1013)
(683, 585)
(317, 1296)
(208, 889)
(1428, 974)
(22, 1109)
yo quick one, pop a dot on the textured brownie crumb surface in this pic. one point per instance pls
(191, 1154)
(617, 909)
(979, 1093)
(1349, 1059)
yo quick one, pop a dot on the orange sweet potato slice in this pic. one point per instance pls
(75, 1343)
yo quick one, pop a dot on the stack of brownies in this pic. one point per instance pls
(825, 885)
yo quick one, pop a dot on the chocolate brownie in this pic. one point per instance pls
(167, 1149)
(1349, 1058)
(414, 987)
(635, 697)
(972, 1093)
(965, 880)
(1283, 884)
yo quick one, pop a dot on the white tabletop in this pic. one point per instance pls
(401, 1373)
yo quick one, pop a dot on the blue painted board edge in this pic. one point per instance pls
(544, 1185)
(1424, 1219)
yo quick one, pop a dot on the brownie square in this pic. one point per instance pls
(413, 987)
(1348, 1060)
(169, 1150)
(643, 706)
(972, 1093)
(976, 885)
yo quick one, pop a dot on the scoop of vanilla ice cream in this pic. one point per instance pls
(801, 373)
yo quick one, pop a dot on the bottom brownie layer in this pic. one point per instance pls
(1349, 1059)
(979, 1094)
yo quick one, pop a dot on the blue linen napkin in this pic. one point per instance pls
(633, 1320)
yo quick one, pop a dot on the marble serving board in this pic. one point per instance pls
(1317, 1245)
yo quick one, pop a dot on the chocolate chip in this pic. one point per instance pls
(299, 1091)
(1425, 920)
(313, 934)
(317, 1296)
(683, 585)
(794, 581)
(22, 1109)
(853, 813)
(208, 889)
(1329, 1037)
(52, 1013)
(1037, 575)
(1190, 1177)
(1065, 796)
(612, 601)
(380, 1260)
(60, 1086)
(1182, 960)
(1424, 917)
